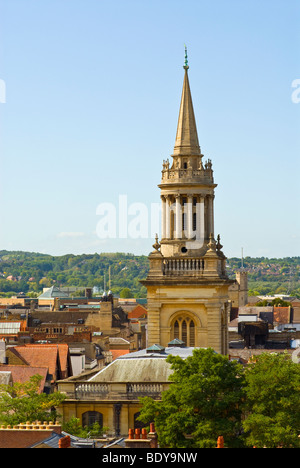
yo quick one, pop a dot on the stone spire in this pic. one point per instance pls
(186, 143)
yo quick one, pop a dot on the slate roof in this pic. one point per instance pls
(134, 370)
(53, 292)
(141, 366)
(53, 441)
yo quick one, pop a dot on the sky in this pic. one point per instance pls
(89, 101)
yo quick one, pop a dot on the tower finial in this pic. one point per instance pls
(186, 64)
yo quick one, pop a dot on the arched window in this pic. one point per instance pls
(91, 417)
(184, 329)
(176, 330)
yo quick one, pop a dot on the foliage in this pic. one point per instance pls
(258, 405)
(201, 404)
(273, 401)
(74, 427)
(277, 302)
(33, 271)
(22, 402)
(268, 276)
(125, 293)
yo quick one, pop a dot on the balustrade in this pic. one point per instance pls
(89, 389)
(144, 388)
(98, 390)
(181, 266)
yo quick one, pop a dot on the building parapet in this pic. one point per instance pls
(110, 390)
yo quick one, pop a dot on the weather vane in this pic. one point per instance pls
(186, 63)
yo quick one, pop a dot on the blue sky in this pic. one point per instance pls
(91, 106)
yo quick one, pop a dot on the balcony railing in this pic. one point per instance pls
(141, 388)
(183, 266)
(90, 390)
(101, 390)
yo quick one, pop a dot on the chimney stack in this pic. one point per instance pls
(140, 439)
(64, 442)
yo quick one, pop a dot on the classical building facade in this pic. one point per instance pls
(187, 285)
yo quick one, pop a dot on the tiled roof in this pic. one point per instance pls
(45, 355)
(23, 373)
(138, 312)
(118, 352)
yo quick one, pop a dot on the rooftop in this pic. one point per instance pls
(142, 366)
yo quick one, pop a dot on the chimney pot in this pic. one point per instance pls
(64, 442)
(152, 427)
(220, 442)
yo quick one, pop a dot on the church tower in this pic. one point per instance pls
(187, 285)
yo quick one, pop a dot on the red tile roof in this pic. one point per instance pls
(138, 312)
(22, 374)
(118, 352)
(52, 356)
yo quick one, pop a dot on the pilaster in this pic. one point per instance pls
(153, 326)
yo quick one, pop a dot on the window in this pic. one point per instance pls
(91, 417)
(185, 330)
(176, 330)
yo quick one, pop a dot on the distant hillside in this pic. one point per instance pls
(270, 275)
(26, 271)
(30, 272)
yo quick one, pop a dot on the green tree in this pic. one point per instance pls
(202, 403)
(125, 293)
(22, 402)
(74, 427)
(273, 401)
